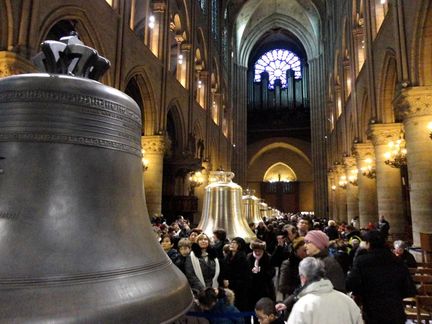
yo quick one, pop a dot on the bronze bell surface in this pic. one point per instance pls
(222, 207)
(251, 208)
(76, 240)
(265, 210)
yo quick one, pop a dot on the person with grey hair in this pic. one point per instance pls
(401, 252)
(319, 302)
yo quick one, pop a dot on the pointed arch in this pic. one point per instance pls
(84, 26)
(176, 127)
(6, 25)
(387, 86)
(279, 172)
(366, 115)
(307, 39)
(138, 78)
(422, 46)
(202, 44)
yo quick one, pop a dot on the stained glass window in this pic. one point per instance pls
(276, 62)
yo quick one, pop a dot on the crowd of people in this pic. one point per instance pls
(298, 269)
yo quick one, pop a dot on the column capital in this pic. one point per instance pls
(338, 169)
(185, 46)
(413, 102)
(350, 162)
(358, 31)
(363, 151)
(153, 144)
(381, 134)
(203, 74)
(12, 64)
(159, 6)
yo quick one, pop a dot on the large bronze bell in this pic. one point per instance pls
(222, 207)
(251, 208)
(265, 210)
(76, 241)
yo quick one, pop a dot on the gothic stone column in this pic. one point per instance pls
(414, 107)
(352, 188)
(154, 147)
(388, 179)
(341, 195)
(332, 185)
(367, 192)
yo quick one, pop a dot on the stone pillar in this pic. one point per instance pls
(332, 186)
(413, 105)
(388, 179)
(158, 30)
(367, 192)
(154, 148)
(318, 132)
(185, 49)
(352, 188)
(341, 197)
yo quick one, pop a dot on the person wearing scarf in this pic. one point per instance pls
(202, 266)
(261, 273)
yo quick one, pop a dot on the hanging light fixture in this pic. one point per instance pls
(368, 170)
(152, 21)
(343, 182)
(396, 155)
(352, 178)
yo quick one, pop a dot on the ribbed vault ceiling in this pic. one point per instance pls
(256, 18)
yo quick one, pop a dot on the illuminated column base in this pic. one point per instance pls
(367, 192)
(414, 107)
(352, 189)
(341, 197)
(154, 147)
(389, 186)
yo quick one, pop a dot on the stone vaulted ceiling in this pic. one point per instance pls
(302, 18)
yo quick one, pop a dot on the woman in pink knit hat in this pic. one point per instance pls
(317, 243)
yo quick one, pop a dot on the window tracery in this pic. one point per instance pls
(276, 63)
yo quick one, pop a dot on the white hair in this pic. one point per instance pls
(312, 269)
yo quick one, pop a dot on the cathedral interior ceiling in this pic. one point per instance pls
(301, 17)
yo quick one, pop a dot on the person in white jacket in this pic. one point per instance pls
(318, 302)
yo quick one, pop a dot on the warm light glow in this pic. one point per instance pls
(368, 170)
(196, 179)
(383, 1)
(180, 59)
(430, 129)
(396, 154)
(199, 84)
(152, 21)
(279, 172)
(352, 178)
(144, 161)
(333, 187)
(343, 181)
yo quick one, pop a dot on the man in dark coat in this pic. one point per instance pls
(381, 281)
(384, 227)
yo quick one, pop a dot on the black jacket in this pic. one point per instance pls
(208, 268)
(381, 281)
(235, 270)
